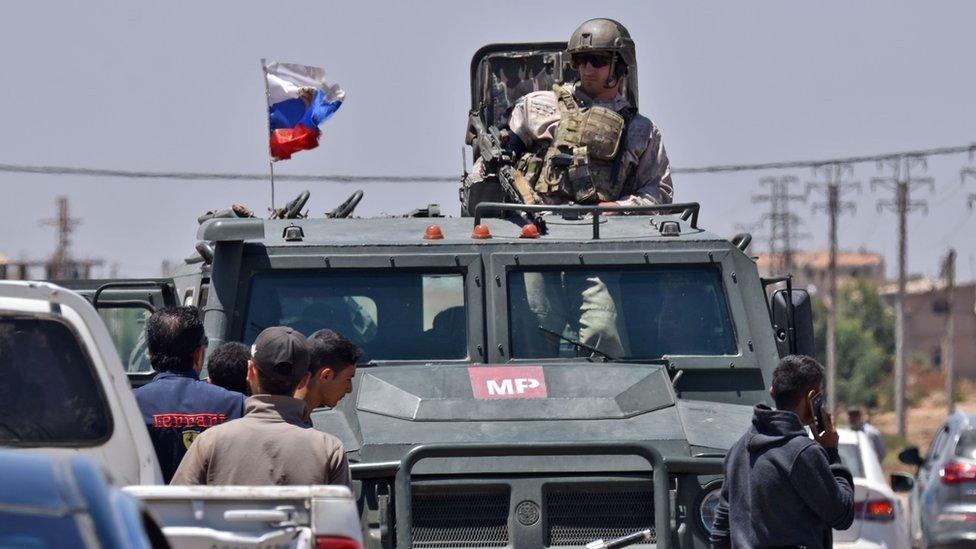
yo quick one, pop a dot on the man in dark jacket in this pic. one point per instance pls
(781, 488)
(176, 405)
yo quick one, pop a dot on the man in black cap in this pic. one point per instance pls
(271, 444)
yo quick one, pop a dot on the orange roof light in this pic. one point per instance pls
(529, 230)
(481, 232)
(433, 233)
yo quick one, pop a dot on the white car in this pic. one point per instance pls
(64, 391)
(878, 517)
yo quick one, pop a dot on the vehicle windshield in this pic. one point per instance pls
(850, 456)
(624, 313)
(392, 316)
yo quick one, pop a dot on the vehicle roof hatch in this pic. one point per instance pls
(522, 68)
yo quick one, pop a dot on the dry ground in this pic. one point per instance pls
(926, 412)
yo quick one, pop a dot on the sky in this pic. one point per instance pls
(177, 86)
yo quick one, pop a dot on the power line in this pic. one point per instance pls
(201, 176)
(782, 221)
(940, 151)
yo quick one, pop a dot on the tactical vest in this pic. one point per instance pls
(582, 163)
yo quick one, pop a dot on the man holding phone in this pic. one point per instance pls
(782, 488)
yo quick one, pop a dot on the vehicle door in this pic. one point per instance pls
(125, 306)
(925, 496)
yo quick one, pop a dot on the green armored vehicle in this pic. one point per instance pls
(522, 386)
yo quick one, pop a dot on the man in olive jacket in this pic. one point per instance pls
(272, 443)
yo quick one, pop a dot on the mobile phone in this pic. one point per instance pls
(818, 401)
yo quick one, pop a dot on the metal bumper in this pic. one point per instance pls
(661, 467)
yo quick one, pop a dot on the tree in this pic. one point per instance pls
(865, 341)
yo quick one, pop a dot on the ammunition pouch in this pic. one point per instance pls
(580, 163)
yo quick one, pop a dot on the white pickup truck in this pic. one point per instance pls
(64, 390)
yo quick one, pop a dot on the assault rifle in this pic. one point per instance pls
(499, 160)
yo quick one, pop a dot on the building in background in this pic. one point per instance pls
(810, 268)
(926, 312)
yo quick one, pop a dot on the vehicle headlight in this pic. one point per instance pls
(708, 504)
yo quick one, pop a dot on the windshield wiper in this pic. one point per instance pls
(578, 344)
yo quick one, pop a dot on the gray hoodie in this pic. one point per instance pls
(782, 488)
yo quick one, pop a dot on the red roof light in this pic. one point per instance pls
(481, 232)
(529, 230)
(433, 233)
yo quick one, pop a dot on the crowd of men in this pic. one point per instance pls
(249, 422)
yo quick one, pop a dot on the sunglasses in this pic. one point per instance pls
(595, 61)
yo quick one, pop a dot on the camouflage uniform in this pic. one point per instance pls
(591, 306)
(535, 119)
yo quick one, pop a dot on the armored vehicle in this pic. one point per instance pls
(477, 421)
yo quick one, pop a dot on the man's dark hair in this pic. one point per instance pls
(227, 366)
(173, 334)
(793, 377)
(276, 385)
(331, 349)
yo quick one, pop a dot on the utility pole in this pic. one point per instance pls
(782, 222)
(901, 182)
(948, 346)
(970, 172)
(834, 187)
(61, 265)
(57, 268)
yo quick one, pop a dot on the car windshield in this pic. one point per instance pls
(637, 313)
(392, 316)
(850, 456)
(966, 448)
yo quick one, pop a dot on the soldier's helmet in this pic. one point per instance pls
(603, 35)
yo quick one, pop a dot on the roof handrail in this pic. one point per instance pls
(687, 210)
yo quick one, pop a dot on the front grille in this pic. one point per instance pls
(577, 515)
(460, 517)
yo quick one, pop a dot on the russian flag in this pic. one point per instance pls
(299, 100)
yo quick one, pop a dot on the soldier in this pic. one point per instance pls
(584, 142)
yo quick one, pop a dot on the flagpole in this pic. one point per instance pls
(267, 119)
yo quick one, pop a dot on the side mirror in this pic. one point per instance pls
(793, 322)
(902, 482)
(910, 456)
